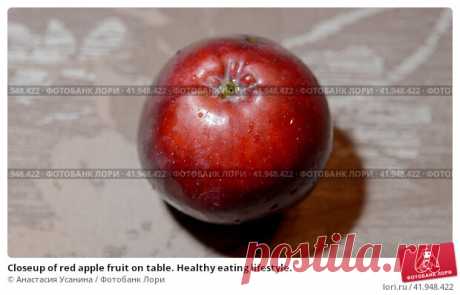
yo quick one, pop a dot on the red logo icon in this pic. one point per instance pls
(425, 261)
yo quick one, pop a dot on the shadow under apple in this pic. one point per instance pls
(334, 205)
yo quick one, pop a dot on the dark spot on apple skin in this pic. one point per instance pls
(200, 115)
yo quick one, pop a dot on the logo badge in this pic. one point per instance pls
(427, 261)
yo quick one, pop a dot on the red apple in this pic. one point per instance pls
(265, 139)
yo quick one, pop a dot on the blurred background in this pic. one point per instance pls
(117, 218)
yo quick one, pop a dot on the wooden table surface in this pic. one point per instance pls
(58, 217)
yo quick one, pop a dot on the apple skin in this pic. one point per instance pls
(254, 131)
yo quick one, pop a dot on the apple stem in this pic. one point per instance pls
(228, 88)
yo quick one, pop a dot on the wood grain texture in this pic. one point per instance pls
(128, 47)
